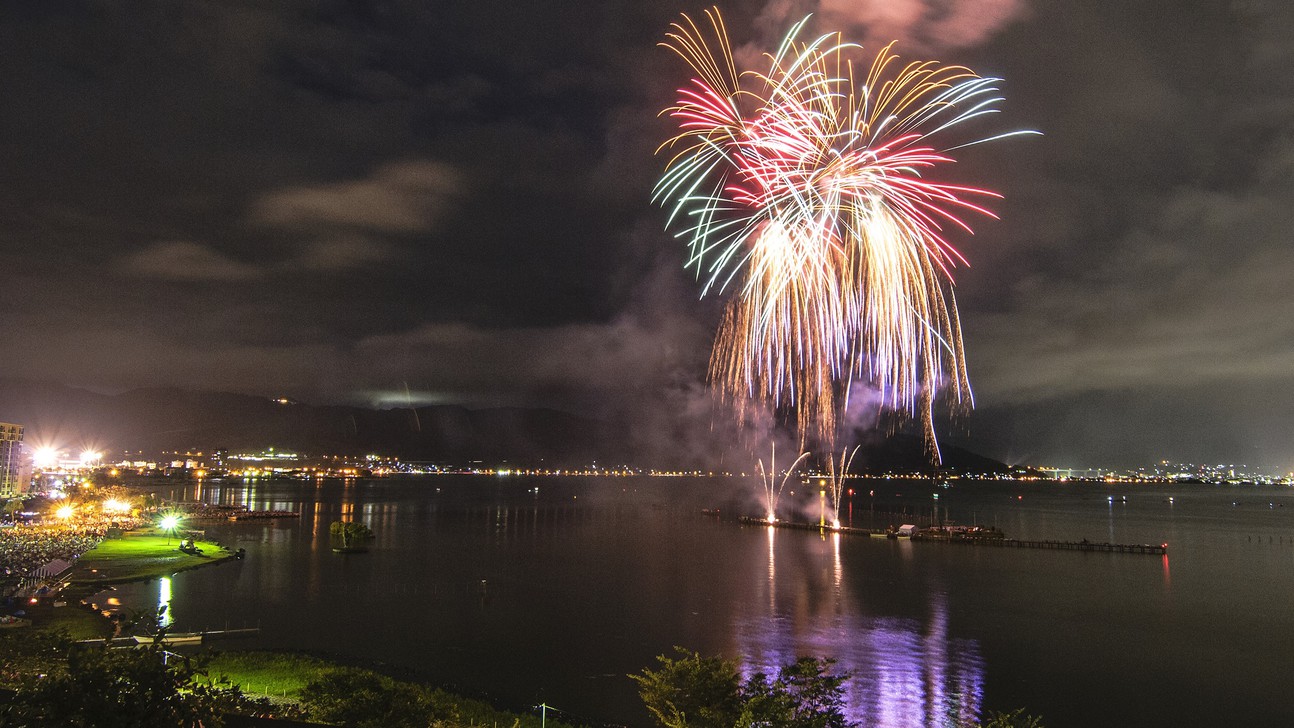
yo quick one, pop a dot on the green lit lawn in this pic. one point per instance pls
(141, 555)
(271, 674)
(281, 676)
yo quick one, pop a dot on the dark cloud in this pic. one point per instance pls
(186, 261)
(397, 197)
(345, 254)
(450, 202)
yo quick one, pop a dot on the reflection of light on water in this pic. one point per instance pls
(1111, 537)
(316, 526)
(164, 602)
(772, 571)
(905, 673)
(837, 571)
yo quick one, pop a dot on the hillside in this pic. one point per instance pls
(174, 419)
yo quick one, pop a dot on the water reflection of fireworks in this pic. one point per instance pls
(904, 673)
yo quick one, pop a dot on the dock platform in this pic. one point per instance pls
(172, 639)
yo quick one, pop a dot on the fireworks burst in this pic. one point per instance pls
(806, 188)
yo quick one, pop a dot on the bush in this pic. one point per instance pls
(137, 687)
(365, 699)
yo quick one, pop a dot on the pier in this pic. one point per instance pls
(254, 515)
(992, 539)
(1113, 548)
(171, 639)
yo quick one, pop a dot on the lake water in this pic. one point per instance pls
(553, 589)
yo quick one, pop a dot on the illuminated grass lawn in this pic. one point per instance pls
(269, 674)
(282, 676)
(141, 555)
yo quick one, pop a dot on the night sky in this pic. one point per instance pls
(385, 203)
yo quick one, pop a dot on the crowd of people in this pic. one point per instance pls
(24, 549)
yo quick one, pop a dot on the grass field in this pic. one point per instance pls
(281, 676)
(141, 555)
(268, 674)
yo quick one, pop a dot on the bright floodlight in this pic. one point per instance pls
(64, 512)
(90, 456)
(44, 457)
(112, 505)
(169, 523)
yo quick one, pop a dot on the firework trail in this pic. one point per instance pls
(772, 486)
(837, 469)
(805, 188)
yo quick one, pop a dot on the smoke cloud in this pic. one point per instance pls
(918, 25)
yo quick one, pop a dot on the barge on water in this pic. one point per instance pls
(968, 537)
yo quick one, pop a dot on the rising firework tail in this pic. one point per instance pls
(772, 486)
(806, 193)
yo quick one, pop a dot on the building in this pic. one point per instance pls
(11, 480)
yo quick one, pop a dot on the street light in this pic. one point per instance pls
(168, 524)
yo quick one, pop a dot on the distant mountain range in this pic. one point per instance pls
(158, 419)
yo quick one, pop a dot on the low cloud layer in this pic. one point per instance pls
(398, 197)
(186, 261)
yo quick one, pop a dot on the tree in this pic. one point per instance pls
(691, 691)
(12, 506)
(108, 688)
(349, 532)
(804, 695)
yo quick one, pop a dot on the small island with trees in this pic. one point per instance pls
(349, 537)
